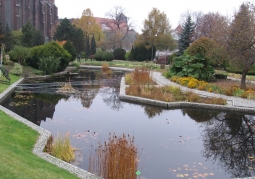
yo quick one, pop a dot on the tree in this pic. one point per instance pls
(87, 47)
(118, 26)
(157, 31)
(1, 33)
(184, 39)
(241, 42)
(68, 46)
(78, 40)
(214, 26)
(8, 38)
(89, 26)
(38, 38)
(27, 31)
(17, 37)
(65, 31)
(93, 46)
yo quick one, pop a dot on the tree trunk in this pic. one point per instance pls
(243, 80)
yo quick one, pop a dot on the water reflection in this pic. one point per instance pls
(229, 139)
(152, 111)
(111, 97)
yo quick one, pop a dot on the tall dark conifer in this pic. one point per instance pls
(93, 45)
(185, 36)
(8, 38)
(87, 48)
(28, 32)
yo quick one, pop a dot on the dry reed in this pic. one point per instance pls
(60, 148)
(106, 69)
(115, 159)
(140, 76)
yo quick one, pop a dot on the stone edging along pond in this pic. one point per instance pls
(44, 134)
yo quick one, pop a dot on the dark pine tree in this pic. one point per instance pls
(184, 39)
(93, 45)
(8, 38)
(1, 33)
(87, 47)
(78, 40)
(27, 31)
(70, 48)
(132, 54)
(65, 31)
(38, 38)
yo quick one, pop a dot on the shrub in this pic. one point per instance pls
(17, 69)
(98, 55)
(49, 64)
(83, 54)
(171, 58)
(119, 54)
(107, 56)
(127, 55)
(209, 49)
(19, 54)
(50, 49)
(220, 76)
(193, 66)
(68, 46)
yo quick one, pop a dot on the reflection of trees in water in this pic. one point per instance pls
(200, 115)
(152, 111)
(87, 95)
(229, 138)
(111, 97)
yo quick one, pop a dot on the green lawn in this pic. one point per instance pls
(17, 159)
(4, 86)
(16, 144)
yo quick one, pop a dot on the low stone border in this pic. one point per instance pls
(42, 140)
(169, 105)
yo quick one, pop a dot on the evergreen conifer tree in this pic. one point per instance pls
(87, 48)
(185, 36)
(28, 32)
(8, 38)
(93, 45)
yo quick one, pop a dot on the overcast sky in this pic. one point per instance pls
(138, 10)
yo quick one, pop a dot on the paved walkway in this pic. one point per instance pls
(231, 100)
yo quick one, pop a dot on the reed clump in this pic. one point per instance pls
(60, 148)
(106, 69)
(140, 76)
(170, 94)
(115, 159)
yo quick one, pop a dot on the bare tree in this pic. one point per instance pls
(241, 40)
(117, 26)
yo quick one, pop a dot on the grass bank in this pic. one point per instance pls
(17, 159)
(5, 86)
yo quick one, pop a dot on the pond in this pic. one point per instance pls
(177, 143)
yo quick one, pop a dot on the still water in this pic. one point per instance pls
(178, 143)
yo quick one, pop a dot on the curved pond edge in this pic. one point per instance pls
(81, 173)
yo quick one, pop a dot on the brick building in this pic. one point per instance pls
(42, 14)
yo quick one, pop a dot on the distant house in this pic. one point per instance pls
(177, 31)
(110, 25)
